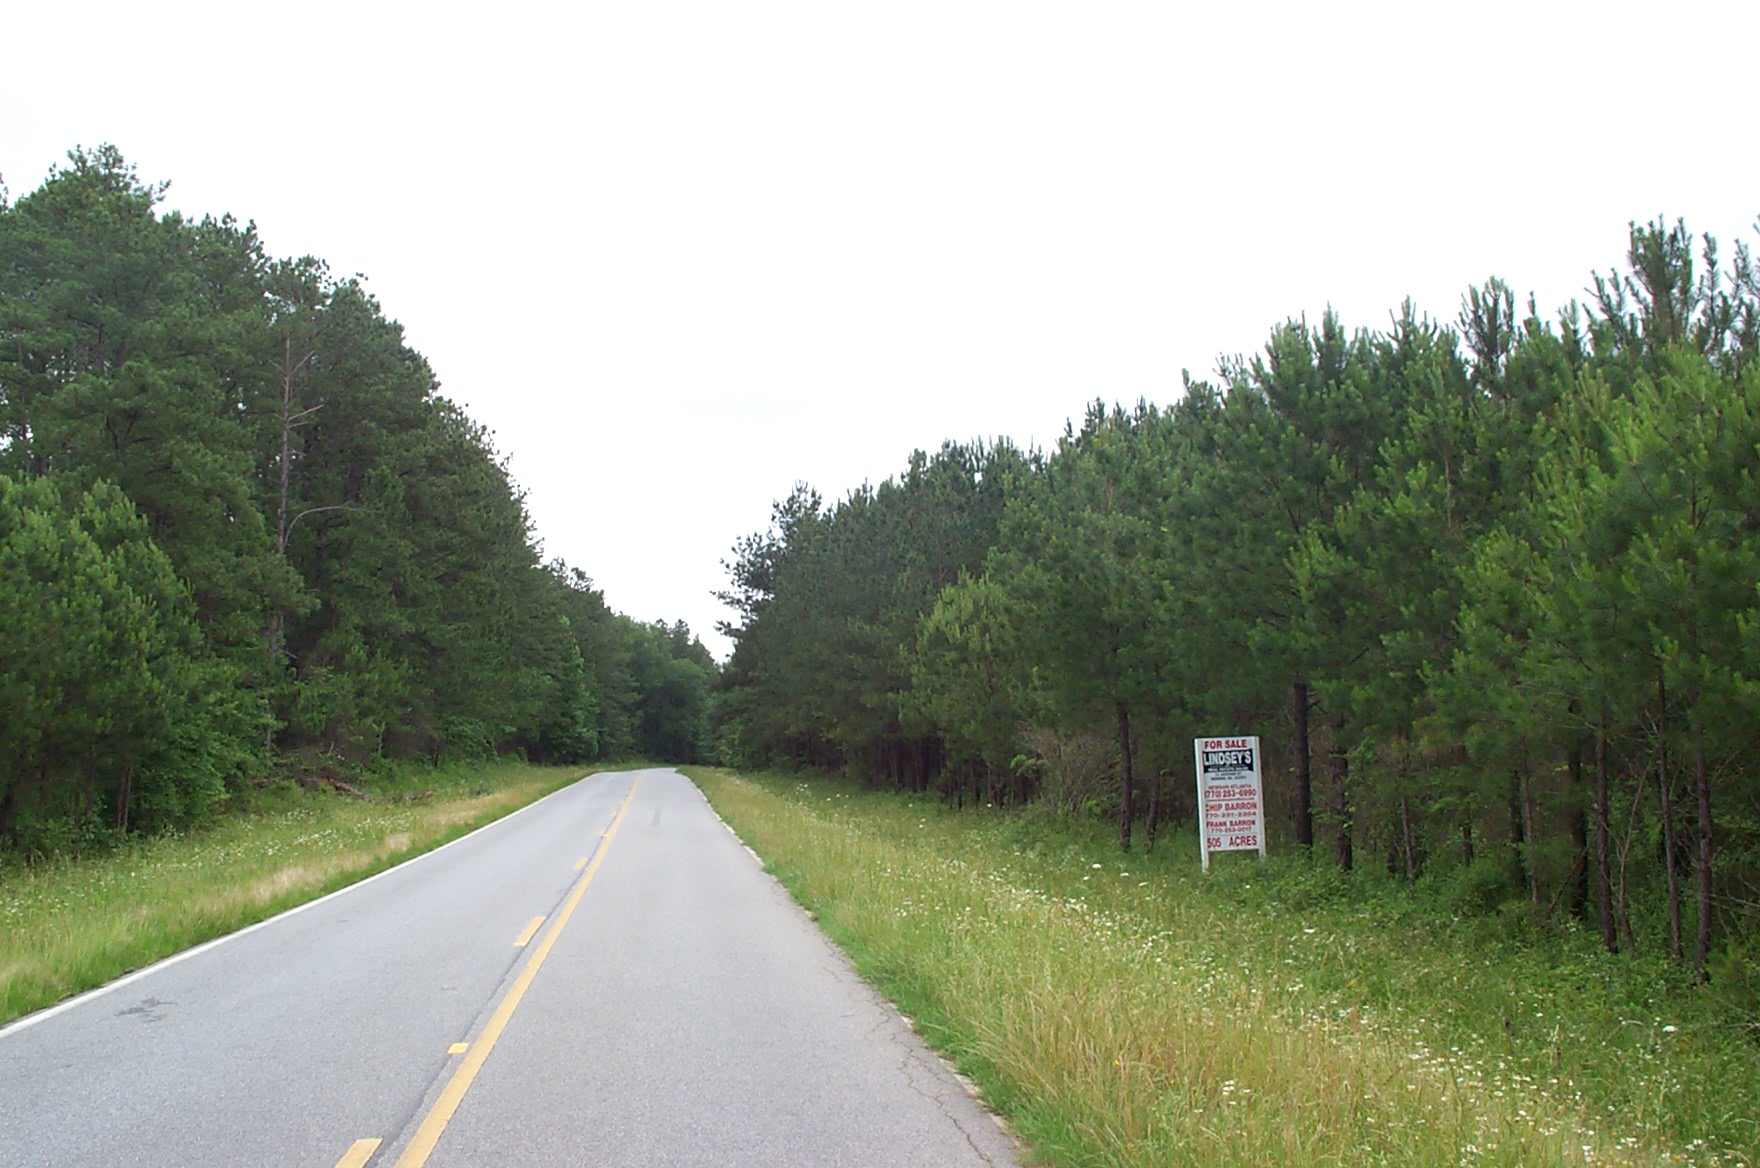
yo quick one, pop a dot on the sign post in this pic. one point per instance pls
(1231, 796)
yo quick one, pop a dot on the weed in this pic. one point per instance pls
(1126, 1010)
(68, 924)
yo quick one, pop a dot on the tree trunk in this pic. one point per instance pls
(9, 809)
(276, 630)
(124, 797)
(1668, 849)
(1405, 830)
(1467, 845)
(1341, 802)
(1528, 835)
(1579, 829)
(1304, 770)
(285, 467)
(1603, 876)
(1702, 786)
(1154, 807)
(274, 633)
(1125, 784)
(1518, 825)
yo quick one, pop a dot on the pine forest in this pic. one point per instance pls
(1486, 587)
(243, 534)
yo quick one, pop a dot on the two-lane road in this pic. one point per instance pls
(604, 978)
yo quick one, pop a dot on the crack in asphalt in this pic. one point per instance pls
(911, 1053)
(899, 1031)
(916, 1060)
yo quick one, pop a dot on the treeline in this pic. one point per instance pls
(240, 528)
(1487, 590)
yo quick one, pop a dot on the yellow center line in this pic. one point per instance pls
(580, 863)
(433, 1125)
(358, 1154)
(528, 932)
(458, 1048)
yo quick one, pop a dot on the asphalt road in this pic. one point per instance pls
(673, 1007)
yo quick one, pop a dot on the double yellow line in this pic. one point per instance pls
(433, 1125)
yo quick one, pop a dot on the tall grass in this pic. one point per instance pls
(1125, 1010)
(70, 924)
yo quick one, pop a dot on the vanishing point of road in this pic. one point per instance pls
(606, 977)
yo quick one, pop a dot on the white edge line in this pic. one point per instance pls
(49, 1012)
(762, 866)
(883, 1003)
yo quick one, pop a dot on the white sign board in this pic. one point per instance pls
(1231, 797)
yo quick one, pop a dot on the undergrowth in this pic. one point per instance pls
(1128, 1010)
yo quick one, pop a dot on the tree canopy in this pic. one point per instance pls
(239, 522)
(1497, 574)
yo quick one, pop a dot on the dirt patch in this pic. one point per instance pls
(295, 877)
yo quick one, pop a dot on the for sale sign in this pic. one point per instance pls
(1231, 797)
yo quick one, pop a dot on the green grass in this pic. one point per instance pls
(67, 925)
(1127, 1010)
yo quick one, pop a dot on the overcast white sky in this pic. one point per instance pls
(680, 256)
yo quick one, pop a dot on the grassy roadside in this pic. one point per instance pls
(69, 925)
(1128, 1011)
